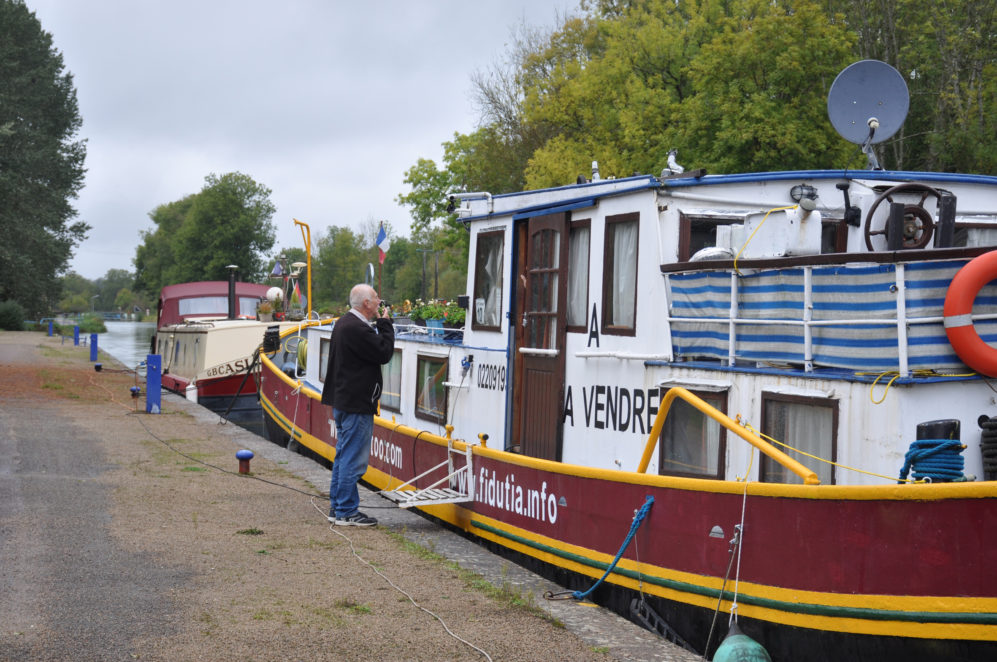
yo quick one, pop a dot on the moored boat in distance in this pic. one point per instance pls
(208, 333)
(778, 372)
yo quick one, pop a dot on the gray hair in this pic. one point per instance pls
(359, 293)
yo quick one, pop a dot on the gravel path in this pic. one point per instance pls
(127, 536)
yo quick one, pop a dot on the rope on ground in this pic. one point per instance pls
(213, 466)
(637, 521)
(400, 590)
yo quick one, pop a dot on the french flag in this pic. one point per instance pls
(383, 243)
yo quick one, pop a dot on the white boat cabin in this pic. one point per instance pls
(808, 305)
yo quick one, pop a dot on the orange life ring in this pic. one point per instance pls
(958, 312)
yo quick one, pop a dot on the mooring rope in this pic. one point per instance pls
(934, 459)
(637, 521)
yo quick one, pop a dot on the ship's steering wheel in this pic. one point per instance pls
(918, 224)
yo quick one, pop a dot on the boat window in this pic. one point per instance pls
(804, 423)
(834, 236)
(391, 375)
(247, 307)
(619, 280)
(692, 443)
(430, 392)
(204, 306)
(578, 275)
(323, 358)
(699, 232)
(487, 311)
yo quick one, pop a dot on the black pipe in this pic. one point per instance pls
(231, 291)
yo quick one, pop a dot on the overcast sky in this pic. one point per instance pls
(325, 102)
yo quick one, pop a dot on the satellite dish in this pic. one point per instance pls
(866, 93)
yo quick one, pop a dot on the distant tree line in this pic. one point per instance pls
(732, 85)
(41, 163)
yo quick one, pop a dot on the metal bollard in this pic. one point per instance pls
(76, 335)
(153, 383)
(244, 456)
(93, 347)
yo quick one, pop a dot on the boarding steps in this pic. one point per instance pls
(407, 495)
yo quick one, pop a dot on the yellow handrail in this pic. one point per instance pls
(306, 235)
(808, 476)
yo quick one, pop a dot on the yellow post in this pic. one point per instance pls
(306, 235)
(808, 476)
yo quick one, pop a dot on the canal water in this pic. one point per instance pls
(128, 342)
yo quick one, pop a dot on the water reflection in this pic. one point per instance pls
(128, 342)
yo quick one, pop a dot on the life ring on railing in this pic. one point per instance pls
(958, 312)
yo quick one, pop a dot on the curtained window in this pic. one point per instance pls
(391, 376)
(619, 303)
(692, 443)
(487, 309)
(578, 275)
(807, 424)
(431, 394)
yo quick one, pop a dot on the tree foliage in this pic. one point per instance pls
(733, 85)
(41, 162)
(228, 222)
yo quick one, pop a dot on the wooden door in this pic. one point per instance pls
(540, 335)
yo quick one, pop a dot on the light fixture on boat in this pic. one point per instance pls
(802, 192)
(456, 200)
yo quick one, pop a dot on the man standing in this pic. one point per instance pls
(352, 388)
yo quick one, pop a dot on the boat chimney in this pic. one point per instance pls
(232, 268)
(595, 171)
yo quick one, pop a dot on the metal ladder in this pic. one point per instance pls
(407, 495)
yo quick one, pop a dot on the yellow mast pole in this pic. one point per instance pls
(306, 235)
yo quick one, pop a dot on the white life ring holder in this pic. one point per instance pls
(958, 312)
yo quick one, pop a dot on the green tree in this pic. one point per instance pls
(109, 285)
(338, 265)
(228, 222)
(154, 257)
(41, 162)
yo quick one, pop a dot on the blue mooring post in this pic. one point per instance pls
(50, 328)
(76, 336)
(93, 347)
(153, 383)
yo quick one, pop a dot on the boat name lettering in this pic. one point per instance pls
(505, 493)
(614, 407)
(386, 451)
(230, 368)
(491, 376)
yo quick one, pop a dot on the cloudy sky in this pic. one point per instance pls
(325, 102)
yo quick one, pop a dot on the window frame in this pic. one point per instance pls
(486, 234)
(397, 354)
(419, 410)
(607, 274)
(707, 395)
(686, 222)
(806, 400)
(583, 328)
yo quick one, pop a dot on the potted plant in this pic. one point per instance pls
(264, 311)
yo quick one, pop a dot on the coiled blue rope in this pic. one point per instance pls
(935, 460)
(638, 519)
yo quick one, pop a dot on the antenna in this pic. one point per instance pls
(867, 104)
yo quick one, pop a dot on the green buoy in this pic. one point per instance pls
(739, 647)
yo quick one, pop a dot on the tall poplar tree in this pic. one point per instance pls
(41, 162)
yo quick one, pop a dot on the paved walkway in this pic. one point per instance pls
(69, 587)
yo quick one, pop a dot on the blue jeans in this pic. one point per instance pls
(353, 434)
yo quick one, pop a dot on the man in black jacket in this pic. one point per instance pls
(352, 388)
